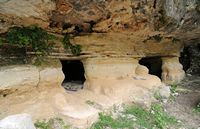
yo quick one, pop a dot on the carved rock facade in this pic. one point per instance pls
(115, 35)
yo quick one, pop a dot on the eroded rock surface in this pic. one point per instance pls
(114, 35)
(15, 76)
(109, 81)
(28, 76)
(22, 12)
(19, 121)
(172, 70)
(104, 16)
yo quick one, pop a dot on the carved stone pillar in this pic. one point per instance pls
(172, 70)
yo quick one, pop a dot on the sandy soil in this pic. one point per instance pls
(183, 105)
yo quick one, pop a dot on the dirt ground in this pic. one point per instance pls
(182, 106)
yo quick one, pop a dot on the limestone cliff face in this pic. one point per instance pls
(111, 28)
(114, 35)
(126, 15)
(23, 12)
(174, 17)
(125, 28)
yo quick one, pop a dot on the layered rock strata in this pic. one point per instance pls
(109, 81)
(114, 35)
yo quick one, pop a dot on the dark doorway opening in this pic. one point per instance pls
(74, 74)
(185, 58)
(154, 64)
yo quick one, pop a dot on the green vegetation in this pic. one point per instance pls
(157, 96)
(49, 124)
(137, 117)
(129, 118)
(33, 37)
(21, 40)
(197, 108)
(108, 121)
(75, 49)
(173, 90)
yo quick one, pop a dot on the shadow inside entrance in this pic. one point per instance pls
(154, 64)
(74, 74)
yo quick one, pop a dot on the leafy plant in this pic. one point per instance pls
(42, 124)
(34, 37)
(142, 116)
(75, 49)
(197, 108)
(173, 88)
(161, 118)
(137, 117)
(31, 37)
(157, 96)
(66, 41)
(49, 124)
(108, 121)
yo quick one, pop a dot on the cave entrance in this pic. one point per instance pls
(74, 74)
(185, 59)
(154, 64)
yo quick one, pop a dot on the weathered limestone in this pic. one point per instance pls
(172, 70)
(22, 12)
(109, 68)
(109, 76)
(149, 81)
(15, 76)
(126, 44)
(29, 76)
(74, 107)
(142, 70)
(51, 76)
(109, 81)
(117, 77)
(165, 92)
(19, 121)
